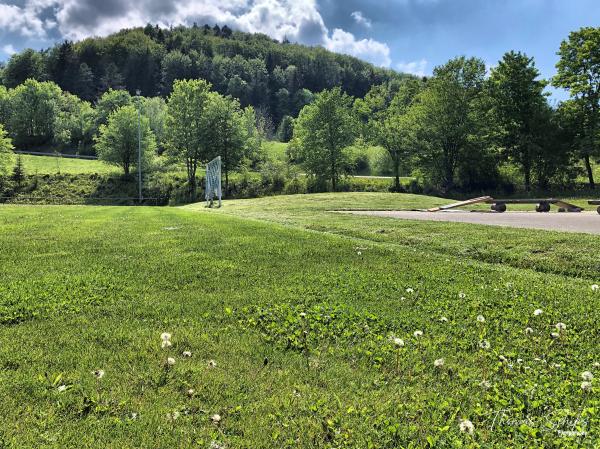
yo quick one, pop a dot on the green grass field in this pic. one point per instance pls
(43, 165)
(291, 315)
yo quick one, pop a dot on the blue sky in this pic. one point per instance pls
(406, 35)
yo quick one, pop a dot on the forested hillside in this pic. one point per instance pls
(278, 79)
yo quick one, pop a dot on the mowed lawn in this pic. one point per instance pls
(292, 316)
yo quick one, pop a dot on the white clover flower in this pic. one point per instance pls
(62, 388)
(596, 364)
(529, 331)
(485, 384)
(561, 326)
(398, 342)
(302, 315)
(134, 415)
(173, 416)
(410, 290)
(359, 253)
(439, 363)
(443, 319)
(538, 312)
(170, 361)
(595, 287)
(586, 386)
(484, 344)
(519, 361)
(587, 375)
(462, 295)
(187, 353)
(216, 445)
(481, 318)
(502, 359)
(99, 373)
(191, 392)
(216, 418)
(165, 336)
(418, 334)
(554, 334)
(165, 344)
(212, 364)
(466, 426)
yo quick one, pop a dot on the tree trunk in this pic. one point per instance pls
(527, 173)
(397, 172)
(333, 177)
(590, 172)
(226, 181)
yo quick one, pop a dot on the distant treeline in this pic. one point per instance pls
(277, 79)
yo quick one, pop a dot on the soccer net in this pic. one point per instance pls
(213, 181)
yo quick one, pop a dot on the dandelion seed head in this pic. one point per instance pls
(484, 344)
(538, 312)
(418, 333)
(443, 319)
(595, 287)
(191, 392)
(170, 361)
(99, 373)
(462, 295)
(216, 418)
(481, 318)
(410, 290)
(398, 342)
(466, 426)
(587, 375)
(586, 386)
(439, 363)
(187, 353)
(554, 334)
(165, 336)
(529, 331)
(561, 326)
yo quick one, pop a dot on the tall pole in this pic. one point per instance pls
(139, 147)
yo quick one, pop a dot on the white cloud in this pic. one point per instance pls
(417, 68)
(343, 42)
(298, 20)
(361, 19)
(22, 20)
(9, 49)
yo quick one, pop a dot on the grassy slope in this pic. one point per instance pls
(544, 251)
(232, 289)
(50, 165)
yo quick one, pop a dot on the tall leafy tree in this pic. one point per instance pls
(28, 64)
(34, 106)
(579, 72)
(117, 142)
(445, 114)
(391, 125)
(185, 137)
(322, 133)
(519, 105)
(225, 129)
(110, 102)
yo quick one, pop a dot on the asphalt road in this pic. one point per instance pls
(584, 222)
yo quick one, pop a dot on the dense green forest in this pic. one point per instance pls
(204, 92)
(278, 79)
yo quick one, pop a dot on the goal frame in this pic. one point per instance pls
(213, 182)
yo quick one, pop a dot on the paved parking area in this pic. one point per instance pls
(585, 222)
